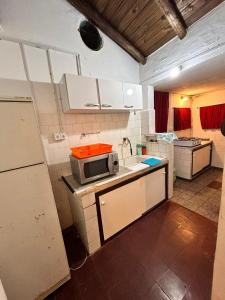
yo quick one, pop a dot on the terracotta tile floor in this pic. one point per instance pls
(202, 195)
(166, 255)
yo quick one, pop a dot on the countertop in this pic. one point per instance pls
(203, 144)
(96, 186)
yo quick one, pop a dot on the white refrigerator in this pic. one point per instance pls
(33, 260)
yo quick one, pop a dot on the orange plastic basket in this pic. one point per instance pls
(91, 150)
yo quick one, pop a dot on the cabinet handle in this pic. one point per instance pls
(128, 106)
(102, 203)
(92, 105)
(106, 105)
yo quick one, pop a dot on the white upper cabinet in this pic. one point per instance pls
(82, 93)
(111, 94)
(11, 61)
(37, 64)
(62, 63)
(132, 96)
(78, 92)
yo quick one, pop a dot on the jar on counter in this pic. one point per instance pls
(139, 149)
(144, 150)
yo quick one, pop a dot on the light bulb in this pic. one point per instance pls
(130, 92)
(175, 72)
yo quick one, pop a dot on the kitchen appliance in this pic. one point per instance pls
(92, 168)
(32, 254)
(187, 142)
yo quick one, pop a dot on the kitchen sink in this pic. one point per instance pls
(134, 163)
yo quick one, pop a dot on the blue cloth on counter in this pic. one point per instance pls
(151, 162)
(166, 137)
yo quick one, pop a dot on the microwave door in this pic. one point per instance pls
(94, 169)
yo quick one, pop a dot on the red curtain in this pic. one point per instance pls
(213, 116)
(182, 118)
(161, 105)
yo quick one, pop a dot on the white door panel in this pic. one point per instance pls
(132, 96)
(62, 63)
(37, 64)
(32, 254)
(20, 142)
(122, 206)
(111, 94)
(155, 188)
(11, 61)
(78, 92)
(201, 159)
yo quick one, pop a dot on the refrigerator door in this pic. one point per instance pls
(32, 253)
(20, 142)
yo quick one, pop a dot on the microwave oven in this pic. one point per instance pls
(93, 168)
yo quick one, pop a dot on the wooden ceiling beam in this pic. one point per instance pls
(173, 16)
(93, 16)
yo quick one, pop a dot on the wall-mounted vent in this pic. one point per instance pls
(90, 36)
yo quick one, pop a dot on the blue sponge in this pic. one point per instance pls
(152, 162)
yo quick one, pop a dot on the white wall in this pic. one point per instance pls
(176, 101)
(205, 39)
(217, 97)
(55, 23)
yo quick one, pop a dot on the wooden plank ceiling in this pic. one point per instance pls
(143, 23)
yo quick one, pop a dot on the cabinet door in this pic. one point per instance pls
(37, 64)
(122, 206)
(201, 159)
(62, 63)
(111, 94)
(155, 188)
(82, 92)
(132, 96)
(20, 142)
(11, 61)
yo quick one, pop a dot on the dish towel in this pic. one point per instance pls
(151, 162)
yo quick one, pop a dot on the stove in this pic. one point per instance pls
(187, 142)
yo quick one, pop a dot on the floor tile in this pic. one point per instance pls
(172, 285)
(155, 293)
(215, 185)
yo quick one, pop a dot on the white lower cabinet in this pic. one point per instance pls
(201, 159)
(97, 217)
(190, 161)
(155, 188)
(122, 206)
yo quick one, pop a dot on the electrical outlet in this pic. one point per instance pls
(59, 136)
(63, 135)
